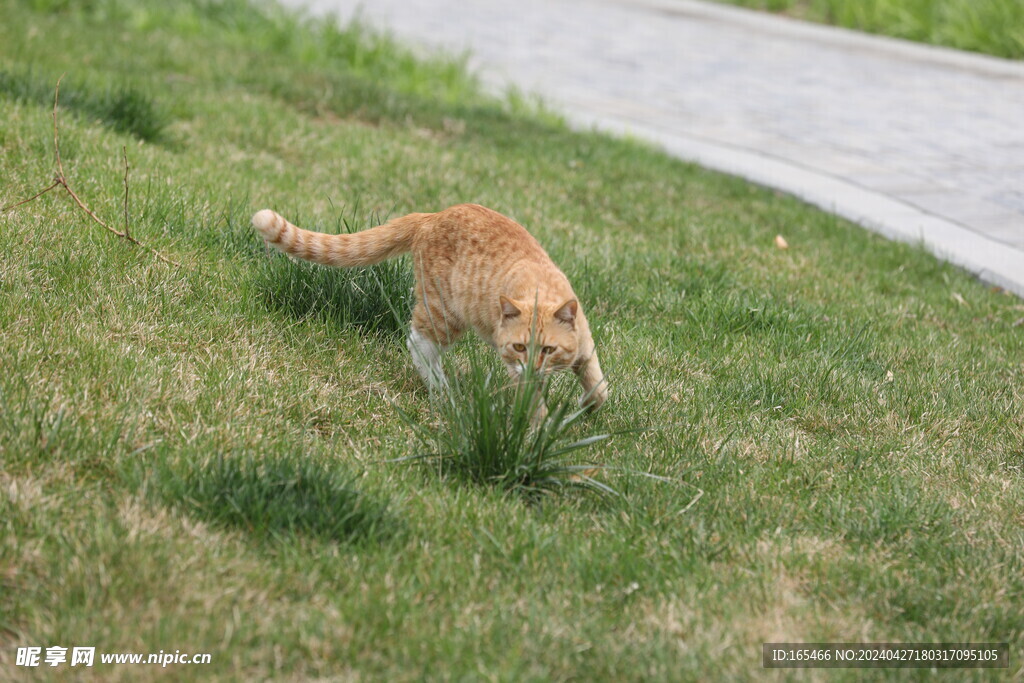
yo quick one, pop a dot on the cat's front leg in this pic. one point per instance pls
(540, 411)
(538, 408)
(595, 388)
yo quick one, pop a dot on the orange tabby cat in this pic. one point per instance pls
(474, 268)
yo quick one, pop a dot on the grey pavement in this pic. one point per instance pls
(918, 143)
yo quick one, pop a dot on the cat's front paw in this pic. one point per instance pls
(595, 398)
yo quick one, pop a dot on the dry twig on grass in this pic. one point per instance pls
(60, 180)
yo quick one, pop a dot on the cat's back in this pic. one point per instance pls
(473, 230)
(468, 256)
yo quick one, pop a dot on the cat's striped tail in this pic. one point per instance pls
(362, 248)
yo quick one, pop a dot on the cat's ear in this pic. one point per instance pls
(508, 309)
(567, 313)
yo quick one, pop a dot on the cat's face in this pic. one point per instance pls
(550, 329)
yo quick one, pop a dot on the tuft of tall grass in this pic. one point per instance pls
(131, 111)
(485, 430)
(276, 496)
(377, 299)
(123, 108)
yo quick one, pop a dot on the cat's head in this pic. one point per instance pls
(539, 333)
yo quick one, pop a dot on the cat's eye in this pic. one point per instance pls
(547, 349)
(519, 347)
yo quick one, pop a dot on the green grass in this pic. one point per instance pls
(373, 300)
(519, 437)
(170, 438)
(123, 109)
(271, 497)
(994, 27)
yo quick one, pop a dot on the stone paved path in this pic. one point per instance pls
(917, 143)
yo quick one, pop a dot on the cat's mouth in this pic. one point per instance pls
(517, 368)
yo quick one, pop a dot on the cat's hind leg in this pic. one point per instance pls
(432, 331)
(426, 358)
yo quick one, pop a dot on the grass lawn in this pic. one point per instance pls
(994, 27)
(197, 458)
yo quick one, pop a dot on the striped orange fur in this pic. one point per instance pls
(475, 268)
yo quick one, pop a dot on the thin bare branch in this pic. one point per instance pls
(124, 153)
(62, 181)
(35, 196)
(56, 136)
(126, 236)
(93, 215)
